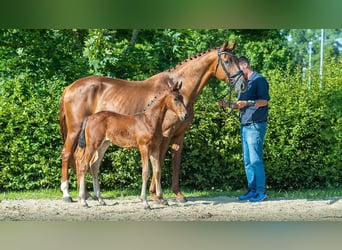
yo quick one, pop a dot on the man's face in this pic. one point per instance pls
(243, 67)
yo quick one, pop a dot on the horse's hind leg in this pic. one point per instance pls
(67, 157)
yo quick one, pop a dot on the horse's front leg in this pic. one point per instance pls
(176, 154)
(144, 152)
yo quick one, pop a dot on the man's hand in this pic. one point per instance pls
(223, 103)
(237, 105)
(240, 104)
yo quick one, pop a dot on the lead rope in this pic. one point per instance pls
(231, 105)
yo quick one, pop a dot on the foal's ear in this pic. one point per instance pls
(180, 85)
(170, 84)
(177, 86)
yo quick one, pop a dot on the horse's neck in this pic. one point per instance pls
(194, 74)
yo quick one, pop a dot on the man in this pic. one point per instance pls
(253, 106)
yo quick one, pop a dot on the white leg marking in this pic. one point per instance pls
(65, 189)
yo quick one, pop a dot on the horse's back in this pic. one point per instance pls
(98, 93)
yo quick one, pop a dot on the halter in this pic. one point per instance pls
(232, 79)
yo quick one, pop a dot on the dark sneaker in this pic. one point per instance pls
(247, 196)
(258, 197)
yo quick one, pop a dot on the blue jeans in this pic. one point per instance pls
(252, 145)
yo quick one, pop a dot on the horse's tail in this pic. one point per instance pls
(81, 137)
(62, 122)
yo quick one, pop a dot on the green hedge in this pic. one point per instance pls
(30, 139)
(303, 145)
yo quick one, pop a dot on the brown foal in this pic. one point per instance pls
(142, 130)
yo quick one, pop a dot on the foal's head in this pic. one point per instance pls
(174, 100)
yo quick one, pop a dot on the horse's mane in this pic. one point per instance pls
(191, 58)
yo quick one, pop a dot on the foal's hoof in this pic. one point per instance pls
(181, 199)
(85, 206)
(164, 202)
(147, 207)
(68, 199)
(102, 203)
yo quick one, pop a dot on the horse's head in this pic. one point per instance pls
(228, 69)
(174, 100)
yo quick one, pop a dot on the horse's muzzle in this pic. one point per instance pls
(240, 85)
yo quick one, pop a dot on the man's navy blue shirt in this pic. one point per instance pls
(257, 89)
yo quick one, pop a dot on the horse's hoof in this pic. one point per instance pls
(161, 202)
(67, 199)
(181, 199)
(90, 198)
(158, 201)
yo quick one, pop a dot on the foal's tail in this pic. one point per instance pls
(81, 137)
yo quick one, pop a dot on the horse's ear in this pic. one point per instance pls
(232, 46)
(224, 46)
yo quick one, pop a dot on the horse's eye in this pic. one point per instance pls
(176, 99)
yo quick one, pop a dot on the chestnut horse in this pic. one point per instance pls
(143, 131)
(92, 94)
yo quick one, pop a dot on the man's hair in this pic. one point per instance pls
(243, 59)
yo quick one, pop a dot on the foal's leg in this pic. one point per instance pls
(81, 172)
(156, 167)
(145, 174)
(161, 150)
(176, 150)
(95, 173)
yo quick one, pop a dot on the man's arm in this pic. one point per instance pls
(257, 103)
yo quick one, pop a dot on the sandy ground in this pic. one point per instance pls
(195, 209)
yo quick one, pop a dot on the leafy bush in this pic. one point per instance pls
(29, 134)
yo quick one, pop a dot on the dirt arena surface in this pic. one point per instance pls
(195, 209)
